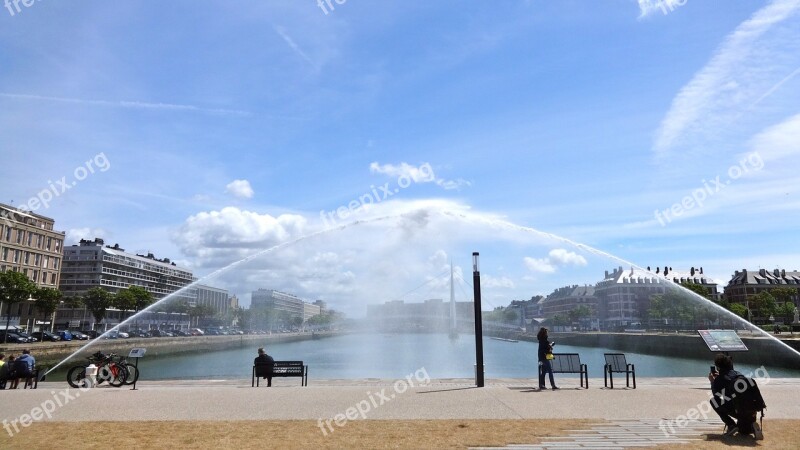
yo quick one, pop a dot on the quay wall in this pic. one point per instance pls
(761, 350)
(49, 353)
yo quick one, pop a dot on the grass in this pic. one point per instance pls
(367, 434)
(288, 434)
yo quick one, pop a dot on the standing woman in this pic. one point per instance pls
(545, 348)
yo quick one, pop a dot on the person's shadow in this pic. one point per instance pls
(732, 441)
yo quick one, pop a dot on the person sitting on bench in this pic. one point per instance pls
(264, 359)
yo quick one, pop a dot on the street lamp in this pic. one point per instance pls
(476, 284)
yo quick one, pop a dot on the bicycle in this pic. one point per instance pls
(107, 370)
(133, 371)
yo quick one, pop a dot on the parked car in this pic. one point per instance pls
(65, 335)
(92, 333)
(196, 332)
(13, 338)
(27, 336)
(77, 335)
(180, 333)
(46, 336)
(156, 333)
(138, 334)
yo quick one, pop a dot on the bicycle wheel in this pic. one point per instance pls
(76, 376)
(133, 373)
(118, 374)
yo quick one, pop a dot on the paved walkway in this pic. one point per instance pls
(622, 434)
(635, 414)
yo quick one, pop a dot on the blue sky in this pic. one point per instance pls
(576, 120)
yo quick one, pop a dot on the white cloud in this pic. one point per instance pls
(563, 257)
(74, 235)
(647, 7)
(735, 78)
(126, 104)
(558, 257)
(488, 281)
(539, 265)
(240, 189)
(419, 174)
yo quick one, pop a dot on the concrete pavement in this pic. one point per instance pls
(655, 398)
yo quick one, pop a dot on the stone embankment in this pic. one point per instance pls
(48, 353)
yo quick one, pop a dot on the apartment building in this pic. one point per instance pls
(29, 244)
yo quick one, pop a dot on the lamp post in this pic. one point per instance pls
(8, 315)
(476, 284)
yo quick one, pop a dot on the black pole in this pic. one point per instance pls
(476, 284)
(136, 364)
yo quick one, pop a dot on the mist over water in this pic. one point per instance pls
(393, 356)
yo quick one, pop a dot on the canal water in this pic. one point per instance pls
(393, 356)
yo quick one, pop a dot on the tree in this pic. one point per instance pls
(739, 309)
(46, 303)
(765, 303)
(124, 301)
(786, 311)
(15, 287)
(97, 301)
(580, 314)
(784, 295)
(142, 297)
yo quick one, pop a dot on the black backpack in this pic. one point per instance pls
(747, 401)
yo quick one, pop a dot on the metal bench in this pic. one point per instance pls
(616, 362)
(570, 363)
(280, 369)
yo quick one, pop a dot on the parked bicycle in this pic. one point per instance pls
(108, 370)
(133, 371)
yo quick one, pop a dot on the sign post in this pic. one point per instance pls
(136, 353)
(722, 341)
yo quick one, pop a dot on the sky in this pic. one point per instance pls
(375, 142)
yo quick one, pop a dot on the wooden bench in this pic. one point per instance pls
(570, 363)
(280, 369)
(616, 362)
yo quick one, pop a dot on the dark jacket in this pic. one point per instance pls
(544, 348)
(723, 381)
(264, 359)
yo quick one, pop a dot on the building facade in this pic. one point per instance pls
(564, 300)
(30, 245)
(277, 301)
(748, 283)
(92, 264)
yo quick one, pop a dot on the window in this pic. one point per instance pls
(5, 254)
(53, 278)
(58, 245)
(27, 258)
(55, 263)
(46, 261)
(49, 242)
(30, 238)
(37, 259)
(35, 277)
(17, 255)
(20, 236)
(8, 233)
(39, 241)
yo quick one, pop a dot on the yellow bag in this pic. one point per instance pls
(549, 356)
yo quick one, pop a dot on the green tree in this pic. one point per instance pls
(786, 311)
(784, 294)
(739, 309)
(15, 287)
(124, 301)
(765, 303)
(698, 289)
(46, 303)
(559, 320)
(142, 297)
(97, 301)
